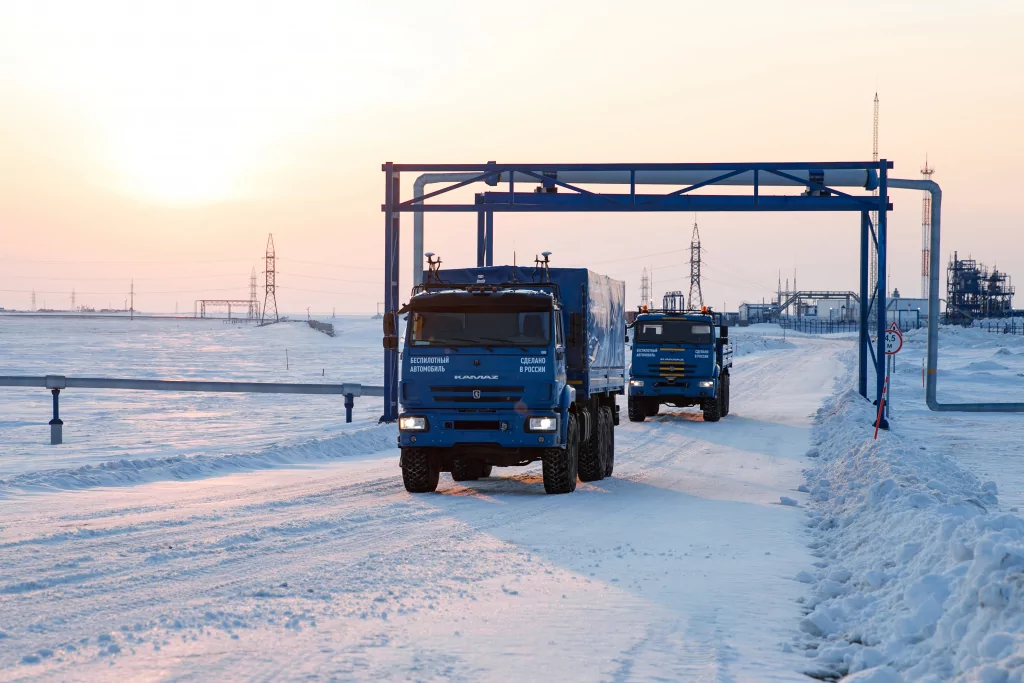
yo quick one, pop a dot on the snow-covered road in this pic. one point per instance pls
(679, 567)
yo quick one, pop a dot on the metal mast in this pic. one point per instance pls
(72, 301)
(33, 299)
(696, 298)
(270, 296)
(645, 289)
(872, 247)
(926, 228)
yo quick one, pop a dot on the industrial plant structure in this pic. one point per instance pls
(974, 292)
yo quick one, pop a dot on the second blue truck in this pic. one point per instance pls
(681, 359)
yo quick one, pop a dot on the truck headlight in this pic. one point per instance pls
(706, 385)
(542, 424)
(412, 423)
(636, 382)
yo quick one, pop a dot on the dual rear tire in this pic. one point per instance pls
(465, 469)
(597, 454)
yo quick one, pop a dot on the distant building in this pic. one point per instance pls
(907, 313)
(752, 314)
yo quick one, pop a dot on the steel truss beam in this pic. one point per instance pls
(819, 194)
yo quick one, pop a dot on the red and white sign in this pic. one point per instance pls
(893, 340)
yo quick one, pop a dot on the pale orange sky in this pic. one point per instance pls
(162, 141)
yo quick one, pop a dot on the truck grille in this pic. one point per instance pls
(671, 368)
(487, 394)
(477, 425)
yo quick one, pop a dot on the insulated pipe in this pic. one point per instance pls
(833, 178)
(417, 218)
(933, 188)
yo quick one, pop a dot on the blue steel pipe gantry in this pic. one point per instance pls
(565, 188)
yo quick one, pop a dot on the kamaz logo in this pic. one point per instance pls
(477, 393)
(476, 377)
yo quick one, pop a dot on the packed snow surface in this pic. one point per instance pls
(223, 536)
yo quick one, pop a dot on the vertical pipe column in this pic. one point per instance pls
(489, 230)
(481, 233)
(864, 338)
(350, 403)
(56, 425)
(881, 228)
(933, 301)
(392, 196)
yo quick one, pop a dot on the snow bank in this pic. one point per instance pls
(126, 472)
(920, 577)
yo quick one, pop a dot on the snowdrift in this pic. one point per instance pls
(921, 577)
(180, 467)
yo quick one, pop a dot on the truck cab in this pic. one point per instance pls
(679, 359)
(496, 373)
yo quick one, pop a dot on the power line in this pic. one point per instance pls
(331, 265)
(114, 279)
(336, 279)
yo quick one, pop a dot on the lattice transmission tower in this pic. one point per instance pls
(270, 286)
(926, 230)
(645, 289)
(696, 298)
(872, 247)
(254, 303)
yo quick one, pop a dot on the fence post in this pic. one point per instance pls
(349, 404)
(56, 425)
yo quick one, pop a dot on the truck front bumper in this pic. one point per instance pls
(660, 387)
(500, 429)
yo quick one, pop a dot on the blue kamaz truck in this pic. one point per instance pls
(504, 366)
(680, 359)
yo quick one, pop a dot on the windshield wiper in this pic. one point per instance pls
(507, 342)
(447, 342)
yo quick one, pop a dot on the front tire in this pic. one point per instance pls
(637, 409)
(560, 465)
(712, 408)
(419, 473)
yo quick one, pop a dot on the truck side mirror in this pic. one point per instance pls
(390, 324)
(724, 334)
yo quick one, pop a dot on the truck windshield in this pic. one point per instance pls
(462, 328)
(673, 332)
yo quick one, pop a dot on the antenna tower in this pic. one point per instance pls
(33, 299)
(926, 230)
(696, 298)
(270, 296)
(72, 301)
(872, 248)
(645, 289)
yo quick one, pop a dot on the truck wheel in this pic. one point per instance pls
(637, 409)
(712, 408)
(561, 464)
(609, 458)
(591, 459)
(485, 471)
(725, 395)
(419, 474)
(464, 469)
